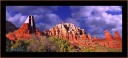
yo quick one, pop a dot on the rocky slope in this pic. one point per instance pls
(10, 27)
(24, 32)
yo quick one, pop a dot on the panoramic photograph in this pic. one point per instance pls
(63, 28)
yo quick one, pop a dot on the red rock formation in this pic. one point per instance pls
(67, 31)
(23, 29)
(83, 36)
(10, 27)
(78, 36)
(11, 36)
(26, 30)
(89, 36)
(38, 31)
(108, 35)
(95, 37)
(117, 36)
(75, 35)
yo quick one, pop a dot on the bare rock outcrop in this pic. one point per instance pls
(117, 36)
(108, 35)
(67, 31)
(89, 36)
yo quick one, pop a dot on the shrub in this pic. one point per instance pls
(18, 45)
(34, 45)
(41, 44)
(61, 44)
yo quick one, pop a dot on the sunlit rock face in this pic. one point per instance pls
(117, 36)
(67, 31)
(28, 27)
(108, 35)
(26, 30)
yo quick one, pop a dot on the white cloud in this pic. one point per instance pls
(52, 18)
(38, 17)
(41, 14)
(71, 20)
(7, 15)
(114, 8)
(97, 18)
(48, 21)
(17, 19)
(43, 26)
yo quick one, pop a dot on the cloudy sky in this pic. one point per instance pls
(94, 19)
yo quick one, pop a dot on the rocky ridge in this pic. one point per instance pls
(75, 35)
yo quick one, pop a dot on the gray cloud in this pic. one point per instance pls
(49, 21)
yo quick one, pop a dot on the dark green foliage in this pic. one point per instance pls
(18, 45)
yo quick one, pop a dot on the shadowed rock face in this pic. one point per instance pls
(10, 27)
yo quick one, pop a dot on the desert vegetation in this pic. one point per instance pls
(36, 44)
(50, 44)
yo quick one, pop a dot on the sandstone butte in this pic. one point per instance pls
(68, 31)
